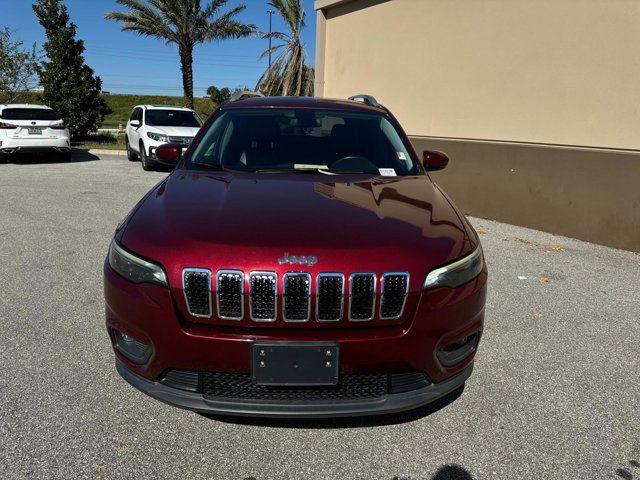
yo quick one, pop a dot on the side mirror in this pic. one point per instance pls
(135, 123)
(169, 153)
(434, 160)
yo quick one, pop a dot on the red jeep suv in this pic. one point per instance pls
(298, 261)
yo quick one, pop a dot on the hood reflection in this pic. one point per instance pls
(408, 204)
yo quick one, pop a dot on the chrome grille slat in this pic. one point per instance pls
(329, 297)
(394, 287)
(362, 296)
(263, 296)
(230, 294)
(181, 140)
(296, 297)
(196, 286)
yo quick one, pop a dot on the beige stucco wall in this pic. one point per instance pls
(548, 71)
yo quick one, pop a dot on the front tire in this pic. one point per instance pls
(131, 156)
(147, 163)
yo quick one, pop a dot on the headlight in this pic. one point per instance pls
(158, 137)
(456, 273)
(134, 268)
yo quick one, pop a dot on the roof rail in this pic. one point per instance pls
(368, 99)
(241, 95)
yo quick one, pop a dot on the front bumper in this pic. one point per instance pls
(390, 403)
(148, 313)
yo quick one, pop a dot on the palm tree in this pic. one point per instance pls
(289, 73)
(183, 22)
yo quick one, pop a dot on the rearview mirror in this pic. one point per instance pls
(134, 123)
(169, 153)
(434, 160)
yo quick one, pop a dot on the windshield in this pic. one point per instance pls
(30, 114)
(303, 139)
(172, 118)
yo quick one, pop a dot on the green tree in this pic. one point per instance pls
(17, 67)
(185, 23)
(218, 95)
(289, 73)
(70, 87)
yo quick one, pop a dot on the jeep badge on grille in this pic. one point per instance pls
(301, 260)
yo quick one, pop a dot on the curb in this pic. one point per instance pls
(95, 151)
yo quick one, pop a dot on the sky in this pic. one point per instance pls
(128, 63)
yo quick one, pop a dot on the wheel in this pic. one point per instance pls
(131, 156)
(147, 163)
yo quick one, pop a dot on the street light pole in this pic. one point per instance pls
(270, 13)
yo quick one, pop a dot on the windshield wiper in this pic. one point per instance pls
(286, 170)
(325, 171)
(340, 172)
(213, 166)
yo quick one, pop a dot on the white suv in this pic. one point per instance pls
(32, 128)
(153, 125)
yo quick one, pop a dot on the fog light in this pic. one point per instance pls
(135, 350)
(458, 351)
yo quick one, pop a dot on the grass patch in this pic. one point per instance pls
(121, 105)
(103, 141)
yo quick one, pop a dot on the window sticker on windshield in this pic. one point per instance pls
(387, 172)
(401, 155)
(308, 166)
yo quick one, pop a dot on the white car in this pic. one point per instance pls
(153, 125)
(32, 128)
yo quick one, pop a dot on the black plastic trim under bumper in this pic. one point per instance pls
(389, 403)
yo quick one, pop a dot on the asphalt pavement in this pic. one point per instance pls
(555, 393)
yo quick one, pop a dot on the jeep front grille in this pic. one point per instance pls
(230, 294)
(362, 296)
(329, 297)
(296, 297)
(196, 284)
(394, 287)
(263, 295)
(299, 289)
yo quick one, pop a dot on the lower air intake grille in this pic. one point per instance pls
(239, 386)
(330, 290)
(263, 291)
(362, 296)
(296, 297)
(405, 382)
(182, 379)
(196, 283)
(229, 294)
(394, 292)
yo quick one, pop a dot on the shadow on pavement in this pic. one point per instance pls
(452, 472)
(346, 422)
(77, 156)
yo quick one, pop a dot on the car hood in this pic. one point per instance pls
(222, 220)
(175, 131)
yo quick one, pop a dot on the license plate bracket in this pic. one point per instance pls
(34, 131)
(295, 363)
